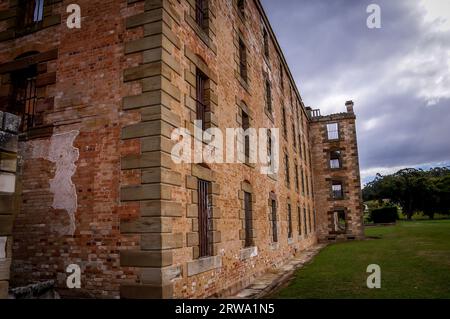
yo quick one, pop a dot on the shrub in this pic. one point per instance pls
(384, 215)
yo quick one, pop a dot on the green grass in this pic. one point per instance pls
(414, 258)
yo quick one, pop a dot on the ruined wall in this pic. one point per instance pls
(70, 161)
(9, 194)
(348, 174)
(99, 187)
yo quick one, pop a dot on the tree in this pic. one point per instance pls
(413, 190)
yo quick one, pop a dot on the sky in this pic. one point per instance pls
(397, 75)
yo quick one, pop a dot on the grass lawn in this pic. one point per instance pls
(414, 258)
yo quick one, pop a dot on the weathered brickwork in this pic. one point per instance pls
(98, 186)
(345, 173)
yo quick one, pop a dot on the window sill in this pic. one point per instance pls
(203, 35)
(274, 246)
(290, 241)
(203, 265)
(248, 253)
(36, 132)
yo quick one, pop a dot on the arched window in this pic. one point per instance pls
(23, 97)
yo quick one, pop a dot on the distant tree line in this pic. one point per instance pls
(414, 190)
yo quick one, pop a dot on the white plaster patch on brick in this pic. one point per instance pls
(63, 154)
(3, 247)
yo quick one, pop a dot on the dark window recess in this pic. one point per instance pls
(24, 96)
(340, 224)
(297, 182)
(314, 215)
(287, 173)
(245, 127)
(299, 212)
(335, 159)
(289, 221)
(337, 189)
(309, 219)
(266, 43)
(268, 96)
(205, 218)
(283, 119)
(304, 221)
(201, 80)
(30, 12)
(274, 222)
(241, 7)
(281, 75)
(269, 147)
(201, 8)
(307, 184)
(303, 182)
(243, 60)
(294, 136)
(248, 219)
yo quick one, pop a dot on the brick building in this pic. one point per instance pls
(96, 181)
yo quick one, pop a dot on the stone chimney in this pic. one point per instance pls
(349, 105)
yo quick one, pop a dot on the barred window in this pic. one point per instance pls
(201, 7)
(243, 60)
(24, 96)
(201, 81)
(299, 220)
(274, 221)
(287, 173)
(245, 127)
(248, 219)
(205, 218)
(289, 221)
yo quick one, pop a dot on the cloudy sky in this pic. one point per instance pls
(398, 76)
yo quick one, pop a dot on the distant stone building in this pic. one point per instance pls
(98, 187)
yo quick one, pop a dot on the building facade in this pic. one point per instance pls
(98, 185)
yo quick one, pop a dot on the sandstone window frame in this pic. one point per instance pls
(290, 230)
(299, 220)
(297, 179)
(287, 171)
(201, 102)
(305, 221)
(337, 189)
(266, 44)
(333, 131)
(242, 60)
(248, 229)
(282, 76)
(241, 8)
(242, 111)
(196, 62)
(268, 94)
(335, 159)
(206, 29)
(284, 122)
(204, 218)
(332, 221)
(273, 217)
(204, 173)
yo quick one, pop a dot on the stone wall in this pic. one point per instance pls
(348, 174)
(99, 186)
(9, 194)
